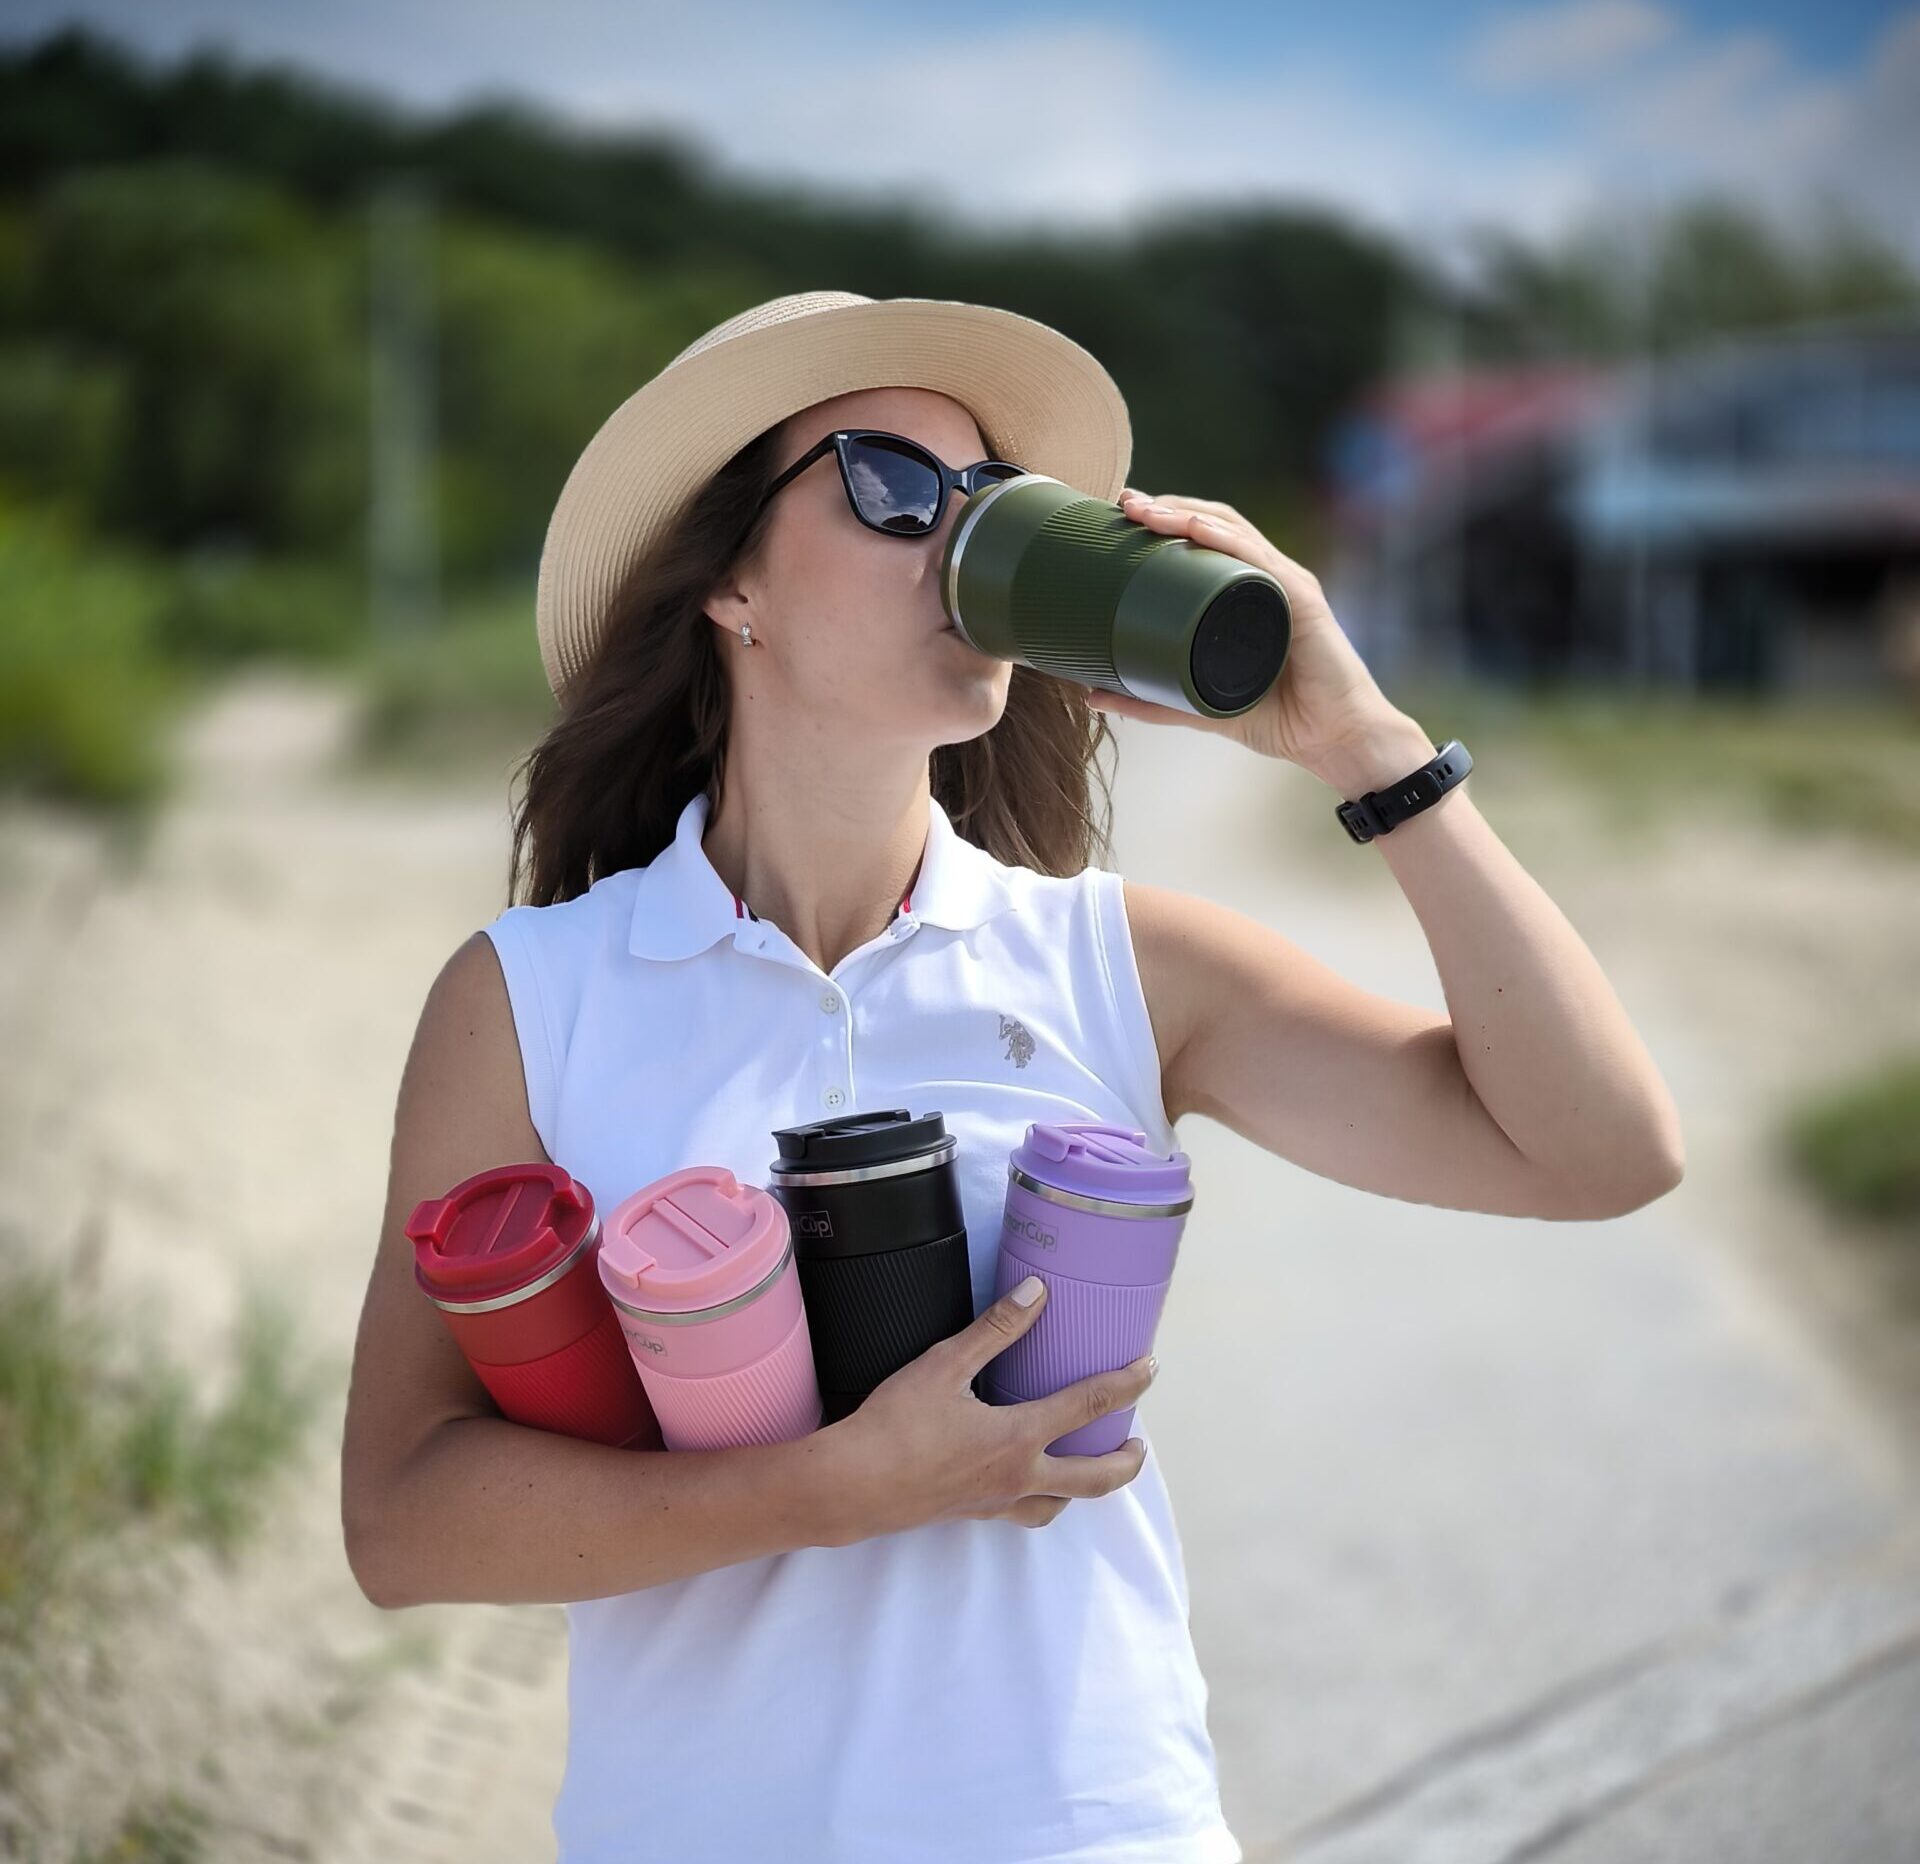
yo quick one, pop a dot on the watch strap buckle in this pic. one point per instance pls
(1380, 810)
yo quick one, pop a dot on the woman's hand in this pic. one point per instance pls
(922, 1447)
(1324, 703)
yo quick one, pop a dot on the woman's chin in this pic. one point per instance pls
(989, 680)
(973, 696)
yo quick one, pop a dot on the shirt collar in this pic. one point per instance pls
(681, 905)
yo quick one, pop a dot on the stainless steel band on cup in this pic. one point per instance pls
(1105, 1206)
(860, 1174)
(696, 1315)
(969, 517)
(533, 1287)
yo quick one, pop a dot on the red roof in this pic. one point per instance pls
(1476, 407)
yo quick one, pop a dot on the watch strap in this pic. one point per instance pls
(1380, 811)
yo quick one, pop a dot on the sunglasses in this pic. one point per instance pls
(894, 484)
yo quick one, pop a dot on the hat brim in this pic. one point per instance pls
(1046, 401)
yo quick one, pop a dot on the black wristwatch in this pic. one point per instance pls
(1380, 810)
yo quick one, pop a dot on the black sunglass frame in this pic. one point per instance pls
(966, 477)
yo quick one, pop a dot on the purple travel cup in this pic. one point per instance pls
(1097, 1214)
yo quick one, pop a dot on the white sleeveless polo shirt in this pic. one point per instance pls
(964, 1692)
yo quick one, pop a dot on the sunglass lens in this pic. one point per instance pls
(896, 484)
(996, 470)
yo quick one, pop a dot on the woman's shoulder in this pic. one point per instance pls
(1067, 918)
(608, 902)
(560, 946)
(1032, 885)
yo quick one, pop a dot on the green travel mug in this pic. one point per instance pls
(1039, 573)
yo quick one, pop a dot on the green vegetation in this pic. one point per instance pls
(187, 384)
(100, 1434)
(106, 1453)
(1647, 759)
(472, 693)
(1859, 1145)
(175, 1830)
(86, 690)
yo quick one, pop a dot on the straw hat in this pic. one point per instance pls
(1045, 402)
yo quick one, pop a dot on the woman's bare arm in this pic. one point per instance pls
(442, 1498)
(1534, 1097)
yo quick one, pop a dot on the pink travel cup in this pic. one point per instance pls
(507, 1256)
(1097, 1214)
(700, 1270)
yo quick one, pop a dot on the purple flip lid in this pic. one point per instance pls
(1092, 1159)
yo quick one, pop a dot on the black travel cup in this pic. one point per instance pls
(873, 1201)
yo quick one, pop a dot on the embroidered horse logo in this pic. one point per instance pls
(1019, 1043)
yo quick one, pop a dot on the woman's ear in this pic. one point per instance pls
(728, 604)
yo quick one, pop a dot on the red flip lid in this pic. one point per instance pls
(498, 1230)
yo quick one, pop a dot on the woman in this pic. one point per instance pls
(795, 846)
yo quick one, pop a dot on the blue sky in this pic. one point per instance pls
(1421, 119)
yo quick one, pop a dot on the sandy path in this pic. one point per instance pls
(1758, 965)
(215, 1043)
(1516, 1522)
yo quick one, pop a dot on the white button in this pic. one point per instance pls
(829, 1002)
(833, 1097)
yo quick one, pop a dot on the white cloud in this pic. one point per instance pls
(1546, 46)
(1042, 121)
(1738, 113)
(1869, 153)
(1076, 123)
(1735, 111)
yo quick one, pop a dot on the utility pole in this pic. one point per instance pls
(402, 548)
(1425, 536)
(1642, 618)
(1441, 344)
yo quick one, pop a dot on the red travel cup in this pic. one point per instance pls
(510, 1257)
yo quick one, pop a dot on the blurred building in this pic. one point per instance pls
(1744, 517)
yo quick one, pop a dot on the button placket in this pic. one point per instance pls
(833, 998)
(836, 1047)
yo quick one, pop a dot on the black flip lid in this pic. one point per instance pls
(858, 1139)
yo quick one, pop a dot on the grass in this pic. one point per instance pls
(1647, 760)
(472, 695)
(106, 1455)
(1858, 1145)
(172, 1830)
(86, 695)
(104, 648)
(98, 1435)
(468, 696)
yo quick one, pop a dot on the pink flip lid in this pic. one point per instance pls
(691, 1240)
(498, 1230)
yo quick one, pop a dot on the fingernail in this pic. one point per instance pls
(1028, 1292)
(1153, 1364)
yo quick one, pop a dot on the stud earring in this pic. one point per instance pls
(746, 634)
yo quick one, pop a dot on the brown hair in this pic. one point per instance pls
(642, 727)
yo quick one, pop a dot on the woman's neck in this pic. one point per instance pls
(825, 858)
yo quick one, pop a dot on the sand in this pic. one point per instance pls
(207, 1043)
